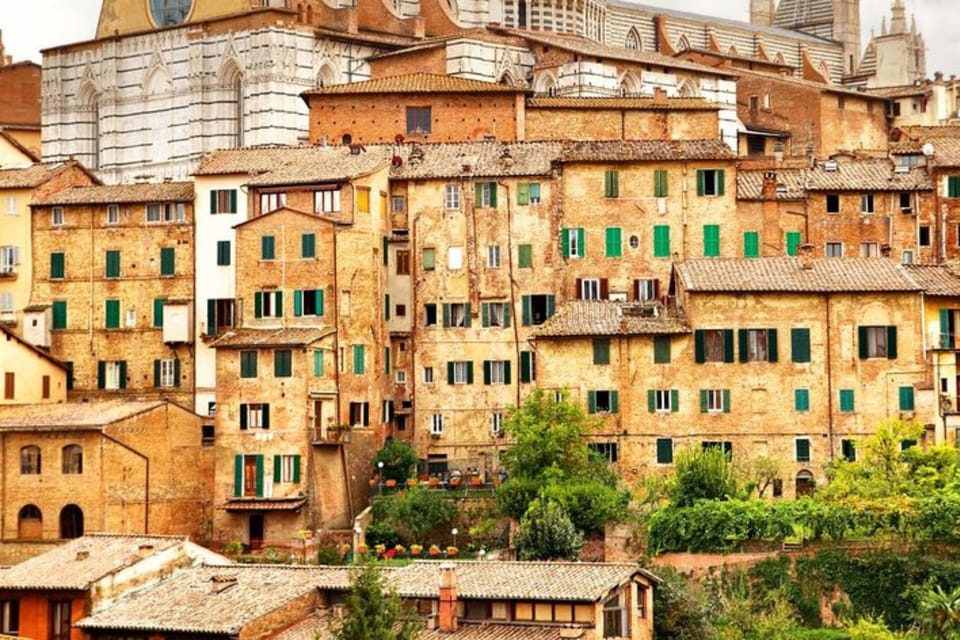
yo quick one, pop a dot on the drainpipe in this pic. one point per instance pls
(513, 294)
(829, 367)
(146, 481)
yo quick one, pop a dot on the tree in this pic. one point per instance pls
(938, 614)
(374, 610)
(417, 511)
(702, 474)
(547, 533)
(399, 460)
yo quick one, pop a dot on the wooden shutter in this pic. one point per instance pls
(772, 345)
(892, 342)
(238, 475)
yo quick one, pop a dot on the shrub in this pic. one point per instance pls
(399, 460)
(547, 533)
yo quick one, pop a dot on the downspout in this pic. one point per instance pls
(283, 269)
(146, 482)
(513, 295)
(829, 367)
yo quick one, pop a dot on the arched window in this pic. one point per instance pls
(634, 41)
(29, 522)
(522, 14)
(30, 460)
(170, 12)
(71, 522)
(327, 75)
(299, 13)
(89, 124)
(309, 14)
(72, 459)
(805, 484)
(232, 80)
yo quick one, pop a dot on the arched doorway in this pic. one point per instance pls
(71, 522)
(805, 484)
(29, 522)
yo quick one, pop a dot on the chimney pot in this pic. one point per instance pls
(448, 598)
(805, 253)
(83, 554)
(145, 550)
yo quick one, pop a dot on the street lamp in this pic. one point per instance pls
(454, 532)
(380, 477)
(357, 532)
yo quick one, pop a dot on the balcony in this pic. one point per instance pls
(334, 435)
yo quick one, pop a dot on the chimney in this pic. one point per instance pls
(659, 95)
(769, 189)
(448, 597)
(805, 253)
(221, 582)
(145, 550)
(83, 554)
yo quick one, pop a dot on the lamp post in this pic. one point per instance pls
(357, 532)
(380, 477)
(454, 532)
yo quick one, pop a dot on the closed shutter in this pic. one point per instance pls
(664, 450)
(614, 242)
(57, 265)
(660, 183)
(772, 345)
(523, 193)
(525, 256)
(167, 261)
(892, 342)
(801, 399)
(238, 475)
(793, 242)
(259, 484)
(906, 398)
(803, 450)
(751, 244)
(308, 245)
(158, 312)
(800, 345)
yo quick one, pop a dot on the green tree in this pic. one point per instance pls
(681, 610)
(938, 614)
(702, 474)
(547, 533)
(399, 460)
(418, 510)
(374, 610)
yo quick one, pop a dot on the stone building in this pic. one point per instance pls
(30, 375)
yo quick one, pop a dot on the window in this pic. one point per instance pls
(525, 256)
(403, 262)
(496, 372)
(528, 193)
(286, 468)
(664, 450)
(273, 201)
(591, 288)
(493, 256)
(710, 182)
(609, 451)
(455, 258)
(713, 345)
(166, 212)
(418, 121)
(166, 372)
(634, 242)
(866, 203)
(72, 458)
(401, 377)
(663, 400)
(661, 241)
(603, 401)
(248, 364)
(428, 375)
(45, 387)
(9, 259)
(496, 423)
(953, 186)
(223, 201)
(714, 401)
(611, 183)
(325, 201)
(112, 314)
(906, 257)
(834, 250)
(248, 475)
(456, 314)
(282, 363)
(802, 450)
(923, 235)
(56, 217)
(359, 357)
(57, 265)
(268, 304)
(793, 242)
(613, 242)
(167, 261)
(113, 214)
(536, 309)
(646, 289)
(451, 196)
(267, 248)
(495, 314)
(459, 372)
(528, 366)
(724, 445)
(430, 314)
(11, 205)
(398, 204)
(485, 194)
(661, 349)
(801, 400)
(220, 313)
(906, 402)
(601, 351)
(756, 145)
(9, 381)
(848, 449)
(308, 245)
(363, 199)
(832, 203)
(60, 619)
(869, 250)
(254, 415)
(660, 183)
(758, 345)
(751, 244)
(573, 242)
(308, 302)
(877, 342)
(223, 253)
(905, 202)
(800, 345)
(711, 240)
(59, 314)
(112, 264)
(10, 617)
(436, 424)
(846, 400)
(30, 460)
(317, 363)
(429, 259)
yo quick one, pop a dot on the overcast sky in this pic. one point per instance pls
(29, 26)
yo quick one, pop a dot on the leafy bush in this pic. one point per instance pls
(329, 555)
(681, 611)
(547, 533)
(418, 511)
(703, 474)
(382, 533)
(591, 504)
(399, 460)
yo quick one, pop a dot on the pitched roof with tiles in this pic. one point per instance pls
(639, 150)
(76, 564)
(122, 194)
(278, 166)
(866, 175)
(790, 183)
(322, 626)
(787, 275)
(215, 600)
(486, 159)
(934, 279)
(419, 82)
(270, 338)
(26, 177)
(636, 103)
(605, 318)
(72, 415)
(554, 581)
(10, 335)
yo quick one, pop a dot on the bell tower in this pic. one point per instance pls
(846, 30)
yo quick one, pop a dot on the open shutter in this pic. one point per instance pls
(101, 374)
(525, 314)
(176, 372)
(446, 315)
(581, 241)
(469, 373)
(296, 468)
(525, 373)
(213, 201)
(720, 182)
(123, 374)
(279, 301)
(485, 314)
(728, 345)
(156, 373)
(486, 372)
(703, 401)
(651, 400)
(243, 417)
(493, 193)
(946, 340)
(551, 305)
(467, 315)
(506, 372)
(701, 180)
(726, 400)
(211, 317)
(238, 475)
(258, 304)
(506, 315)
(674, 400)
(772, 344)
(604, 289)
(591, 401)
(450, 372)
(699, 355)
(318, 301)
(277, 469)
(578, 293)
(863, 349)
(259, 486)
(478, 194)
(297, 303)
(614, 402)
(265, 409)
(742, 340)
(565, 242)
(636, 291)
(892, 342)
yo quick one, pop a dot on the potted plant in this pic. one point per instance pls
(434, 550)
(412, 482)
(455, 481)
(361, 549)
(399, 549)
(434, 482)
(416, 549)
(391, 483)
(452, 551)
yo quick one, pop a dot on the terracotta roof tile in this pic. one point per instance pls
(419, 82)
(285, 337)
(71, 415)
(263, 504)
(790, 181)
(604, 318)
(123, 193)
(492, 631)
(659, 150)
(26, 177)
(325, 164)
(74, 565)
(635, 103)
(935, 280)
(866, 175)
(825, 275)
(486, 159)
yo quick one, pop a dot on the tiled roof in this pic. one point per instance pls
(215, 600)
(286, 337)
(605, 318)
(493, 631)
(567, 581)
(419, 82)
(74, 565)
(866, 175)
(750, 184)
(486, 159)
(71, 415)
(628, 150)
(901, 92)
(263, 504)
(10, 335)
(812, 84)
(123, 193)
(295, 165)
(26, 177)
(636, 103)
(925, 132)
(786, 275)
(935, 280)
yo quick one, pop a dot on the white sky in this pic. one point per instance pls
(31, 26)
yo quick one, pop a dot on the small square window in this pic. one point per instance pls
(451, 199)
(113, 214)
(833, 203)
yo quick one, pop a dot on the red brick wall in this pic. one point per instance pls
(20, 94)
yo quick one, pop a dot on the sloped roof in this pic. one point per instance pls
(419, 82)
(122, 193)
(30, 347)
(26, 177)
(321, 627)
(279, 166)
(750, 184)
(72, 415)
(934, 279)
(76, 564)
(605, 318)
(16, 144)
(866, 175)
(636, 103)
(269, 338)
(793, 14)
(659, 150)
(486, 159)
(786, 275)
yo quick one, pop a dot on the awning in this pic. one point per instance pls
(263, 504)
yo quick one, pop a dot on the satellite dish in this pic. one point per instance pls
(927, 149)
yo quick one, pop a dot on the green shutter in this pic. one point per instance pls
(614, 400)
(429, 258)
(751, 244)
(846, 400)
(772, 345)
(721, 182)
(699, 351)
(551, 305)
(701, 182)
(906, 398)
(726, 400)
(213, 201)
(484, 314)
(308, 242)
(358, 356)
(259, 486)
(611, 183)
(243, 417)
(238, 475)
(467, 315)
(158, 312)
(863, 348)
(123, 374)
(265, 410)
(297, 303)
(385, 250)
(446, 315)
(57, 265)
(703, 400)
(526, 366)
(296, 468)
(450, 366)
(386, 306)
(223, 253)
(112, 312)
(487, 365)
(277, 468)
(470, 373)
(661, 241)
(660, 183)
(318, 363)
(101, 374)
(946, 338)
(651, 400)
(591, 401)
(386, 360)
(282, 363)
(523, 193)
(267, 248)
(318, 301)
(803, 450)
(892, 342)
(167, 261)
(478, 194)
(525, 256)
(156, 373)
(525, 312)
(113, 264)
(614, 244)
(711, 240)
(953, 187)
(601, 351)
(581, 242)
(278, 300)
(211, 317)
(800, 345)
(565, 242)
(176, 372)
(664, 450)
(258, 304)
(506, 315)
(661, 349)
(59, 314)
(674, 400)
(742, 340)
(793, 242)
(801, 399)
(728, 345)
(493, 193)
